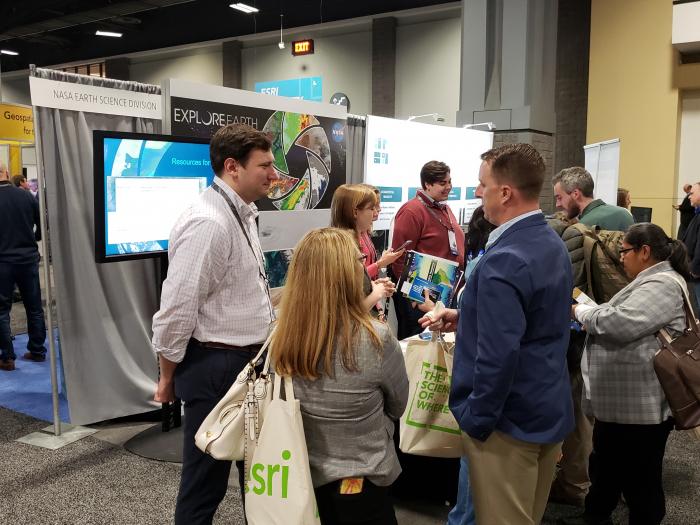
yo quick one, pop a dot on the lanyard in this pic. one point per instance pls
(261, 268)
(432, 212)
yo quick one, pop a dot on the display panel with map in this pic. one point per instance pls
(142, 185)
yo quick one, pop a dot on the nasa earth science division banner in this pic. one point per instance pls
(309, 148)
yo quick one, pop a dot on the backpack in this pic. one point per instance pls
(604, 271)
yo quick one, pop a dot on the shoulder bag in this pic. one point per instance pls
(677, 366)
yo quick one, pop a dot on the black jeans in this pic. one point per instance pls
(628, 460)
(26, 276)
(372, 506)
(201, 380)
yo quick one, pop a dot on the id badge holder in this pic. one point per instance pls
(452, 238)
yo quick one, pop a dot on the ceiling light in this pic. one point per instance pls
(108, 33)
(8, 52)
(245, 8)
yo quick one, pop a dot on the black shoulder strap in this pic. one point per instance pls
(221, 192)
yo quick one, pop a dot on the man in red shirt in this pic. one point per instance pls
(428, 222)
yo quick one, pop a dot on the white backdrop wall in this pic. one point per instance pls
(428, 69)
(198, 65)
(343, 61)
(689, 153)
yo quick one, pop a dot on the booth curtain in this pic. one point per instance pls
(356, 148)
(104, 310)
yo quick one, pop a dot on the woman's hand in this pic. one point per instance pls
(427, 305)
(573, 311)
(389, 257)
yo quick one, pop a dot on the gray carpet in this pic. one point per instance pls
(94, 481)
(88, 482)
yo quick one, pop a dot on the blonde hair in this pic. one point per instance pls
(348, 198)
(321, 307)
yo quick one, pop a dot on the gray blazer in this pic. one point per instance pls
(622, 344)
(349, 419)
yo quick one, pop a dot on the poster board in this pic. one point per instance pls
(308, 143)
(396, 150)
(603, 163)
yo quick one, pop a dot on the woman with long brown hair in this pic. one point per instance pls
(349, 376)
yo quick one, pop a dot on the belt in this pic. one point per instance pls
(222, 346)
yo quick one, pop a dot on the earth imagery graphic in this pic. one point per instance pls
(302, 160)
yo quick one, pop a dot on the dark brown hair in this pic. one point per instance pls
(662, 247)
(432, 172)
(235, 141)
(517, 164)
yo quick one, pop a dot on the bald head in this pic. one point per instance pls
(4, 173)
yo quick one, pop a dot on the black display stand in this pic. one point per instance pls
(161, 442)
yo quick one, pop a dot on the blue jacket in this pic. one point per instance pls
(510, 369)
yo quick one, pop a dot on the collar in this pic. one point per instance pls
(427, 199)
(495, 234)
(246, 210)
(5, 182)
(591, 206)
(663, 266)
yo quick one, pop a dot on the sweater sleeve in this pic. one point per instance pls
(407, 227)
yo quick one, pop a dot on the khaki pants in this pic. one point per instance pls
(572, 479)
(510, 479)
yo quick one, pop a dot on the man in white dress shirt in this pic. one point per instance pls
(215, 309)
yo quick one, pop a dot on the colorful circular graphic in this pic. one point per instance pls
(302, 160)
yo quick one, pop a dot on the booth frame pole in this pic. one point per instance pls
(47, 272)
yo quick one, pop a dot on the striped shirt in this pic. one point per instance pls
(216, 290)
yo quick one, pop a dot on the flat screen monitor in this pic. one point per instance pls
(143, 183)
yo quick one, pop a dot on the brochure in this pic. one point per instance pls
(426, 272)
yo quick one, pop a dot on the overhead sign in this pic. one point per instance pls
(16, 123)
(308, 88)
(93, 99)
(303, 47)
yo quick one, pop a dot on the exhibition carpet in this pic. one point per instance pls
(27, 389)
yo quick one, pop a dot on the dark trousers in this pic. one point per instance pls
(201, 380)
(628, 460)
(372, 506)
(26, 276)
(406, 317)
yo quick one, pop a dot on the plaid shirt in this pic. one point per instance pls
(622, 343)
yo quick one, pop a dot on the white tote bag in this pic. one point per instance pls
(278, 487)
(427, 427)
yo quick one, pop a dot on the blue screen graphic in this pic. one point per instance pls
(148, 184)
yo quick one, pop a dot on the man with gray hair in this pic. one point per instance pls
(573, 190)
(19, 263)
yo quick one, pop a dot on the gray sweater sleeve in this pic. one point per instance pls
(393, 380)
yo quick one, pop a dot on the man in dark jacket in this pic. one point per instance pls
(691, 239)
(19, 264)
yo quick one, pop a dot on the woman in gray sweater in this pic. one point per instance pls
(349, 376)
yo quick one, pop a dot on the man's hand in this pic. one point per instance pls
(165, 391)
(443, 321)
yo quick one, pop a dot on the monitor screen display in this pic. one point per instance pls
(143, 183)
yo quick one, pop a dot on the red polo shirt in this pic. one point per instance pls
(415, 222)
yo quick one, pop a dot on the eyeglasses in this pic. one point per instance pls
(623, 251)
(362, 257)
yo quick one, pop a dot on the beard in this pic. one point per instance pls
(573, 211)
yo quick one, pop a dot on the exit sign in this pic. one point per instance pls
(303, 47)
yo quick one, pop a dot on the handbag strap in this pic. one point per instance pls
(691, 323)
(288, 387)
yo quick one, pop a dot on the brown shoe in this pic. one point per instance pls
(29, 356)
(559, 495)
(8, 365)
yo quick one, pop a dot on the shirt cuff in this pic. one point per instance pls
(171, 354)
(581, 310)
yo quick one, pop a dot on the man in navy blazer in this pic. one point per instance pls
(510, 385)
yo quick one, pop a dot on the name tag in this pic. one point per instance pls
(452, 238)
